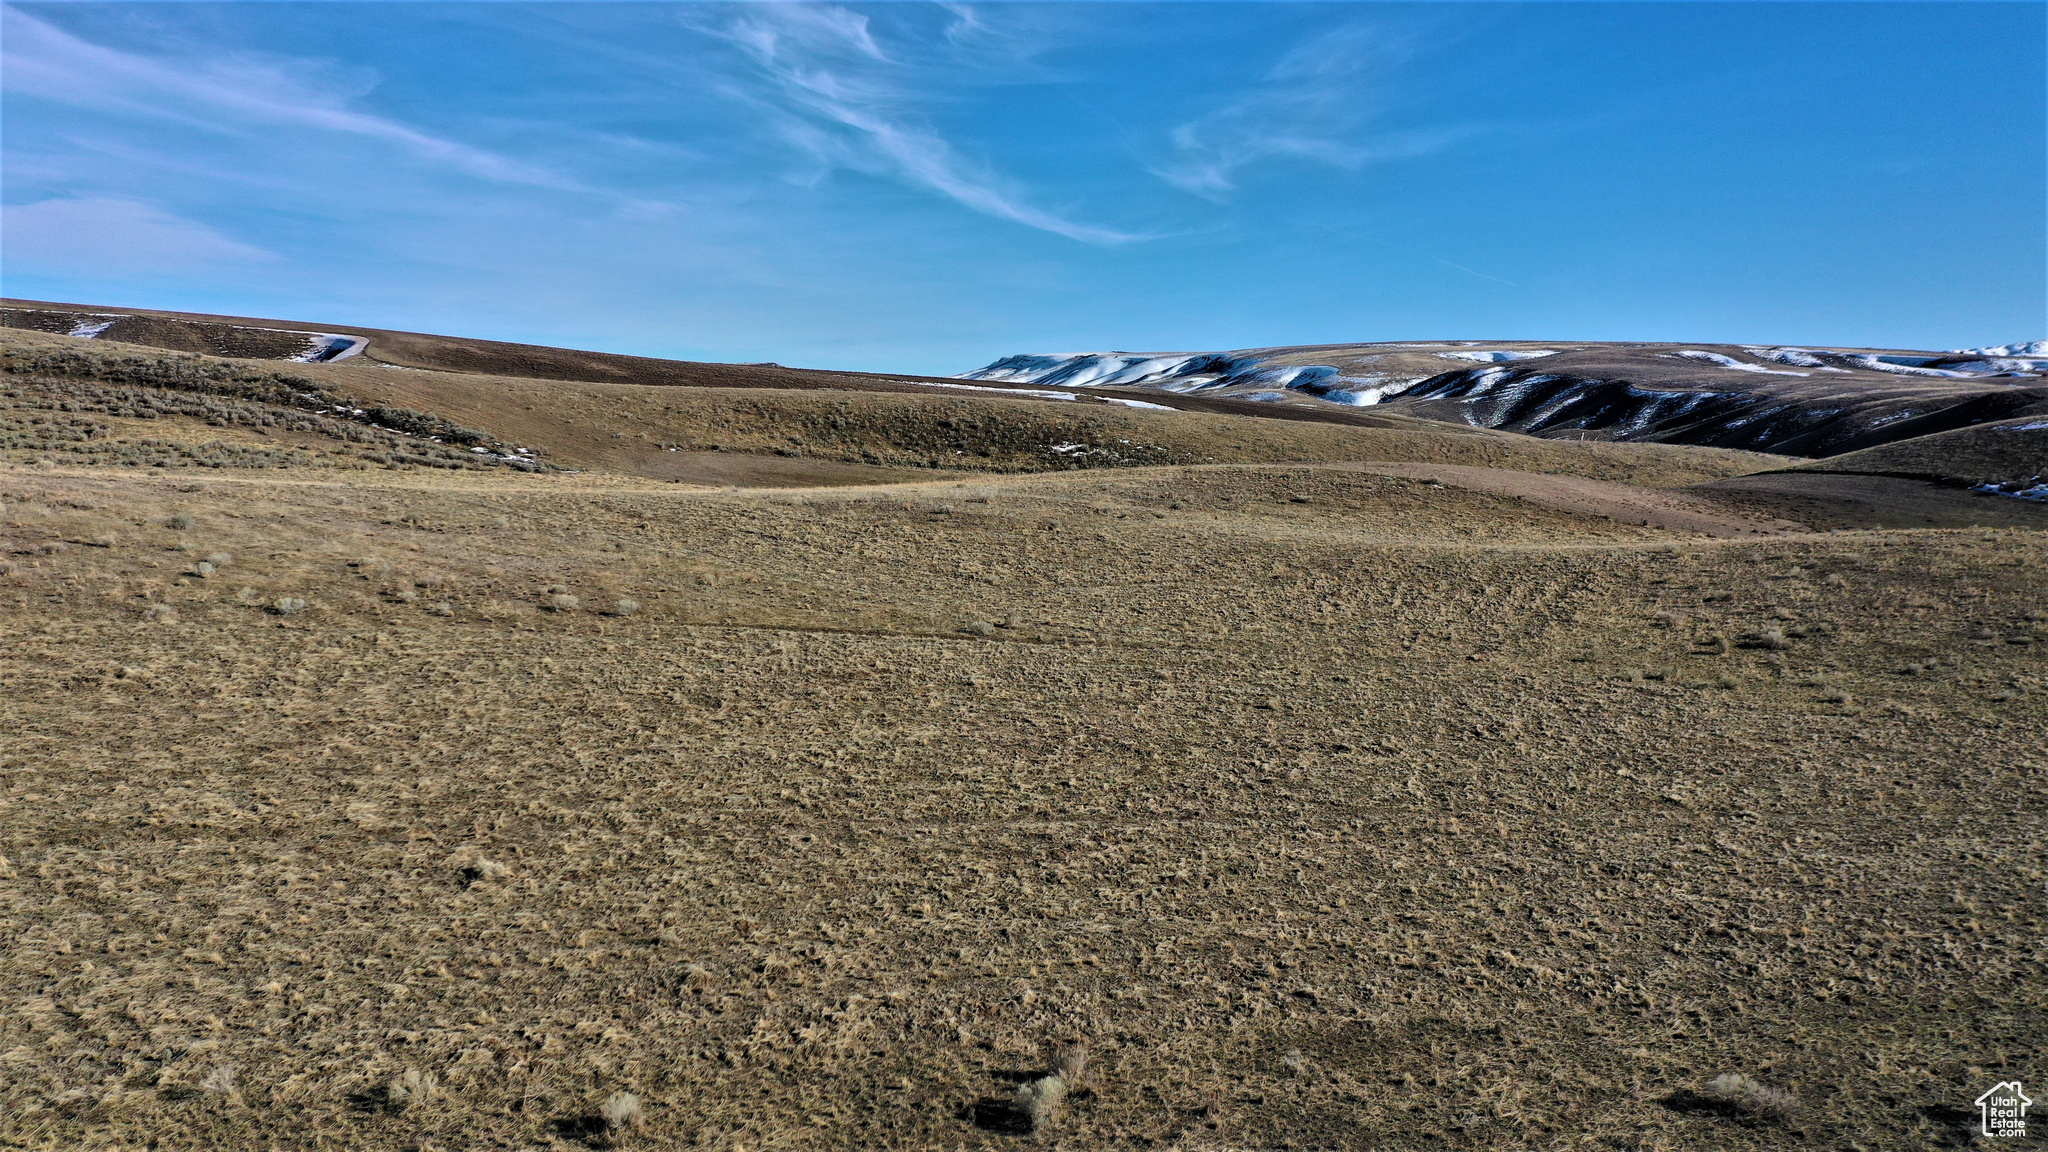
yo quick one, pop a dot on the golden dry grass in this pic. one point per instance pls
(1330, 806)
(804, 436)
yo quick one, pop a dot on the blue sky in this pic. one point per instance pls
(924, 188)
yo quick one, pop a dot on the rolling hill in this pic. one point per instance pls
(1791, 401)
(415, 742)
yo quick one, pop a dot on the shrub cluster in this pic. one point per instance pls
(222, 394)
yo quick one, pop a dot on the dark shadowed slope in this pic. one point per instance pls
(1793, 401)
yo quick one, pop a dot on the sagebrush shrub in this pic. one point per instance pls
(1039, 1100)
(1752, 1098)
(622, 1111)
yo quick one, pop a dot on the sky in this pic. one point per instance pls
(924, 188)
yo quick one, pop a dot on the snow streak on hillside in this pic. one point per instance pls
(1798, 401)
(1171, 371)
(1500, 357)
(1191, 372)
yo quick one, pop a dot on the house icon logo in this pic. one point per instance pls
(2005, 1110)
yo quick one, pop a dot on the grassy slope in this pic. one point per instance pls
(628, 429)
(1989, 453)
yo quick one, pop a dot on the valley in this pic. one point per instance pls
(416, 750)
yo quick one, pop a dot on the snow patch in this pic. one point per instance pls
(1040, 393)
(1730, 362)
(90, 329)
(2032, 488)
(326, 348)
(1365, 391)
(1140, 404)
(1499, 357)
(1903, 365)
(1797, 357)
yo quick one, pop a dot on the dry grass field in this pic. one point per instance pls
(1366, 788)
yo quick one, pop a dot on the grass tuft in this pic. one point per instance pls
(221, 1082)
(411, 1090)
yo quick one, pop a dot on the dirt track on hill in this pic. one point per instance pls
(1673, 511)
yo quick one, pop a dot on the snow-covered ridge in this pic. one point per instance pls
(1193, 372)
(2026, 348)
(1990, 361)
(1172, 371)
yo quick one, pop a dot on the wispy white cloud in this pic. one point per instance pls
(100, 235)
(967, 23)
(845, 102)
(1315, 105)
(225, 93)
